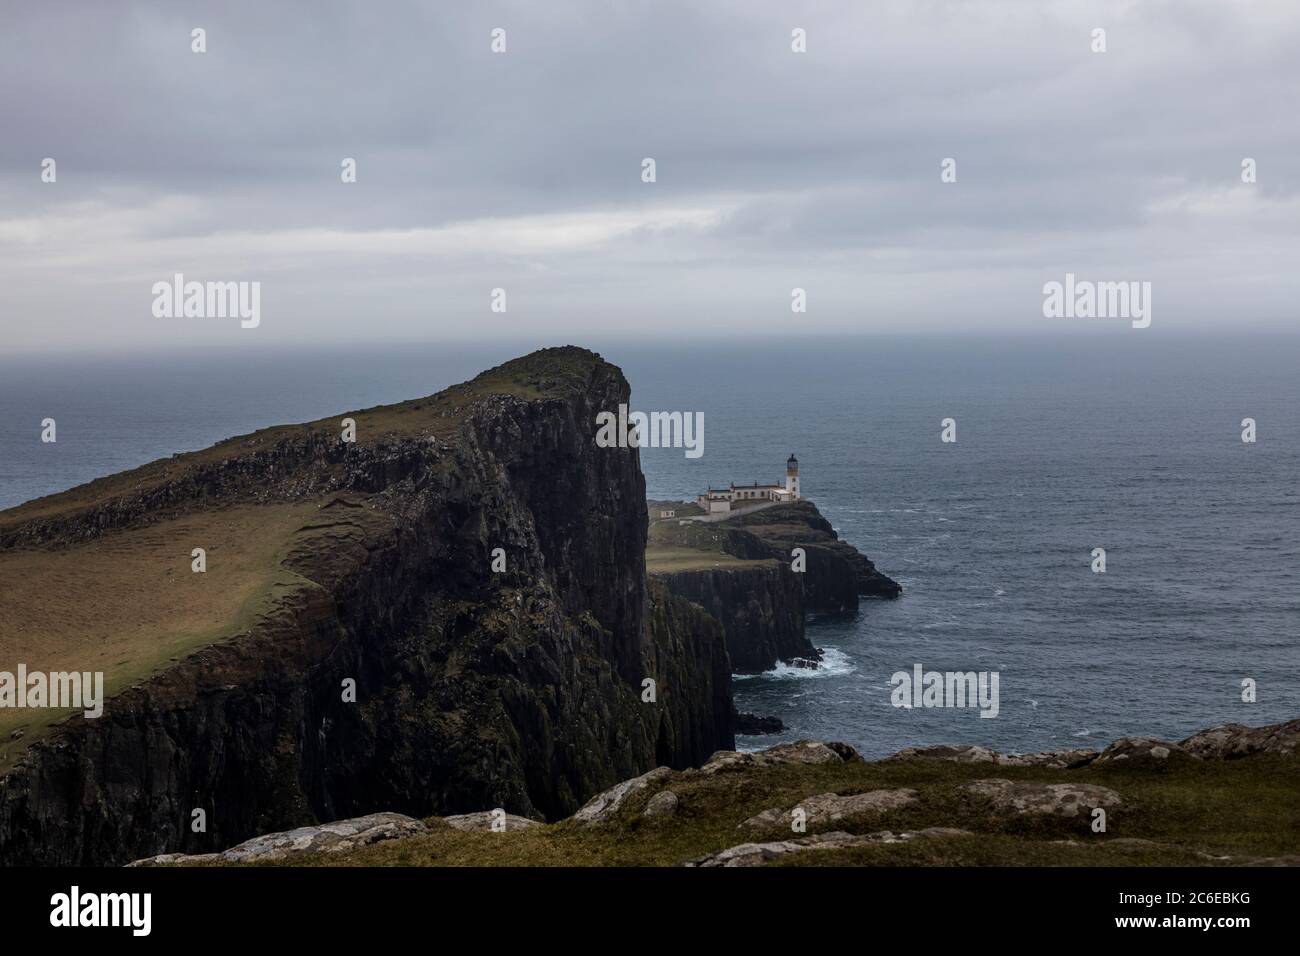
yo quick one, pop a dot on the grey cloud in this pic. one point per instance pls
(822, 165)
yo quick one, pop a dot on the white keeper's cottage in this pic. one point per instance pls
(737, 496)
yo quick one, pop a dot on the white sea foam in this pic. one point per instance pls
(834, 663)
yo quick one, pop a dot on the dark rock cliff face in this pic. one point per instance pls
(837, 572)
(761, 610)
(762, 604)
(521, 689)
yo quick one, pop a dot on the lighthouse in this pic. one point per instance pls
(792, 476)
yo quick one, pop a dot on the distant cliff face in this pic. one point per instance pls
(520, 688)
(837, 573)
(761, 609)
(742, 574)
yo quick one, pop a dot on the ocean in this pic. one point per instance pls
(1129, 442)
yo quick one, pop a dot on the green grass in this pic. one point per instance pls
(680, 509)
(125, 602)
(662, 560)
(1242, 809)
(128, 604)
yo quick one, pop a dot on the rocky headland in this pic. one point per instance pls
(449, 613)
(741, 571)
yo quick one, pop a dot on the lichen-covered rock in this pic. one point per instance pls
(1230, 741)
(337, 837)
(828, 808)
(801, 751)
(953, 754)
(1144, 750)
(662, 804)
(756, 854)
(1053, 759)
(1017, 798)
(603, 806)
(485, 821)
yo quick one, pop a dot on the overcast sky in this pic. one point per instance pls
(522, 170)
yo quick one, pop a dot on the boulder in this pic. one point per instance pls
(178, 859)
(337, 837)
(1043, 799)
(481, 822)
(1143, 750)
(662, 804)
(756, 854)
(799, 752)
(826, 808)
(847, 752)
(1230, 741)
(602, 807)
(1052, 759)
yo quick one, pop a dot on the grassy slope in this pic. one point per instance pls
(680, 509)
(1244, 808)
(128, 603)
(665, 558)
(672, 546)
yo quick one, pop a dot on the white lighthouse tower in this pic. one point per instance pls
(792, 476)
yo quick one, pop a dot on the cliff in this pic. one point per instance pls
(367, 562)
(760, 607)
(837, 572)
(740, 571)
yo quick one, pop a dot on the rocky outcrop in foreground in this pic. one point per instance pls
(337, 837)
(1043, 799)
(1041, 812)
(826, 808)
(757, 854)
(1226, 742)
